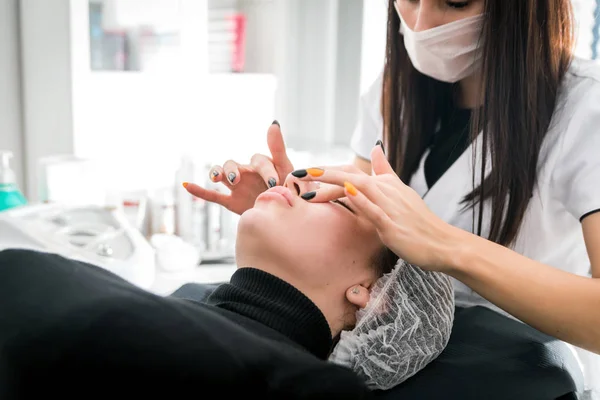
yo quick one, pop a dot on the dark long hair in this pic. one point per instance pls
(527, 49)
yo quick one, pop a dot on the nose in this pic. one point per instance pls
(297, 186)
(426, 19)
(426, 15)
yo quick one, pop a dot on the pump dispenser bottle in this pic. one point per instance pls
(10, 196)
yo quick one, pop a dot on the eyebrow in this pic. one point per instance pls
(344, 205)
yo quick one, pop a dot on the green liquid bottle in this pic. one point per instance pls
(10, 196)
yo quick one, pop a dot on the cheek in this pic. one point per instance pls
(478, 7)
(342, 239)
(301, 234)
(319, 236)
(409, 13)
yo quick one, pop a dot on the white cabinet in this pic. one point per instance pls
(302, 67)
(138, 123)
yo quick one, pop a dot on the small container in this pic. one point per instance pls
(10, 195)
(162, 218)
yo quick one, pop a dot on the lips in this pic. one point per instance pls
(280, 190)
(285, 192)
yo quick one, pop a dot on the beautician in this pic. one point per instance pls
(474, 89)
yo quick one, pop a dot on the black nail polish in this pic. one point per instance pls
(380, 143)
(300, 173)
(272, 182)
(231, 177)
(214, 173)
(309, 195)
(275, 122)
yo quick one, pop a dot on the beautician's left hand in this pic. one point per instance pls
(402, 219)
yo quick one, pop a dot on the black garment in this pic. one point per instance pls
(72, 330)
(448, 144)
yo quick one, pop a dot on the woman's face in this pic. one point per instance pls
(321, 248)
(421, 15)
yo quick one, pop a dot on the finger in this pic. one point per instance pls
(232, 172)
(351, 169)
(379, 162)
(299, 186)
(367, 184)
(216, 174)
(331, 175)
(277, 147)
(311, 186)
(324, 194)
(263, 166)
(365, 206)
(209, 195)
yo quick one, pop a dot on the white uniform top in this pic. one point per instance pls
(568, 185)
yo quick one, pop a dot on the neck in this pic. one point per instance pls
(254, 296)
(468, 95)
(332, 310)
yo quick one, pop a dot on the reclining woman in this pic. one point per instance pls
(304, 270)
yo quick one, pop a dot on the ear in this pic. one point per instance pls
(358, 295)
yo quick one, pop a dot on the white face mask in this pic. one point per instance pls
(448, 52)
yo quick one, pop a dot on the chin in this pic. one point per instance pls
(249, 223)
(250, 232)
(259, 220)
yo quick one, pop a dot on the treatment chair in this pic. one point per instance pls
(489, 356)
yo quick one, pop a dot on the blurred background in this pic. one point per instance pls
(116, 102)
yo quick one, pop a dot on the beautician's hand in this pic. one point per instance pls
(246, 182)
(321, 192)
(402, 219)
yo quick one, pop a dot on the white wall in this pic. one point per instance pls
(261, 35)
(348, 69)
(584, 14)
(307, 71)
(47, 83)
(315, 48)
(10, 92)
(374, 32)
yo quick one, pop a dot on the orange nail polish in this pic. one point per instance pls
(185, 184)
(350, 188)
(315, 172)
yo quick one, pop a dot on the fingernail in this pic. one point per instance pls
(231, 177)
(272, 182)
(315, 172)
(300, 173)
(350, 189)
(309, 195)
(380, 143)
(275, 122)
(355, 290)
(213, 174)
(185, 184)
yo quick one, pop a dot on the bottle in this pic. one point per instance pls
(184, 201)
(10, 196)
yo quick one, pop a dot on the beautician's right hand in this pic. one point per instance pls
(246, 182)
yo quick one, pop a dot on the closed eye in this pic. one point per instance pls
(343, 205)
(458, 4)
